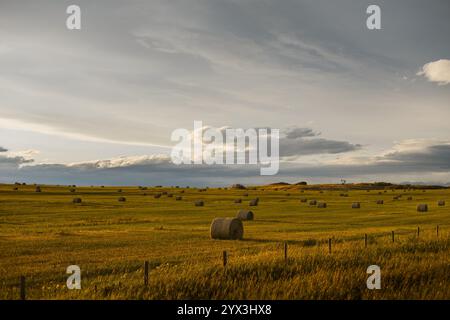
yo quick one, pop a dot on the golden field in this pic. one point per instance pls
(41, 233)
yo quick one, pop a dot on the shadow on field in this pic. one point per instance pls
(301, 242)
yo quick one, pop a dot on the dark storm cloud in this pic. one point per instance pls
(297, 141)
(296, 132)
(431, 159)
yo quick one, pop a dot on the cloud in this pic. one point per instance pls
(124, 161)
(164, 64)
(10, 161)
(296, 132)
(14, 160)
(437, 71)
(298, 141)
(412, 159)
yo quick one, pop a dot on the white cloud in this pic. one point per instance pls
(437, 71)
(125, 161)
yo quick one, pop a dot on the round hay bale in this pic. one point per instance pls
(122, 199)
(238, 186)
(73, 190)
(441, 203)
(422, 207)
(245, 215)
(245, 194)
(76, 200)
(253, 202)
(356, 205)
(164, 193)
(38, 189)
(178, 198)
(322, 205)
(199, 203)
(409, 198)
(380, 202)
(227, 229)
(303, 200)
(312, 202)
(238, 201)
(15, 189)
(157, 196)
(169, 195)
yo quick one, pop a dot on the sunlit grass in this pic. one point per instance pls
(43, 233)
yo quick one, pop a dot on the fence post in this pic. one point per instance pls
(437, 231)
(418, 232)
(225, 258)
(329, 245)
(393, 236)
(145, 273)
(365, 240)
(22, 288)
(285, 252)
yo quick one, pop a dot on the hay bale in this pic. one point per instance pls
(253, 202)
(238, 186)
(409, 198)
(227, 229)
(76, 200)
(199, 203)
(303, 200)
(322, 205)
(441, 203)
(157, 196)
(245, 194)
(164, 193)
(380, 202)
(356, 205)
(169, 195)
(73, 190)
(178, 198)
(122, 199)
(422, 207)
(38, 189)
(245, 215)
(238, 201)
(312, 202)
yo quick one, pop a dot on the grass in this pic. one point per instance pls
(43, 233)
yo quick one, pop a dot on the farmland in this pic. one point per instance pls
(41, 233)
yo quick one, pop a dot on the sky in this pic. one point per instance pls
(97, 106)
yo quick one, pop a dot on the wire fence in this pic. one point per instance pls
(287, 251)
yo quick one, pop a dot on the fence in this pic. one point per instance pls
(293, 249)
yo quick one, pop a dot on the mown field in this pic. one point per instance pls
(43, 233)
